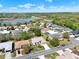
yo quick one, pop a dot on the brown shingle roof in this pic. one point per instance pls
(19, 44)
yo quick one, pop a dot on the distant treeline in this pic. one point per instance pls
(28, 15)
(7, 16)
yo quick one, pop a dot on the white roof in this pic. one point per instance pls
(60, 52)
(23, 25)
(41, 57)
(72, 36)
(6, 45)
(52, 32)
(68, 49)
(3, 27)
(16, 29)
(77, 38)
(37, 39)
(4, 32)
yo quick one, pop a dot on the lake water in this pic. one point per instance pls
(15, 21)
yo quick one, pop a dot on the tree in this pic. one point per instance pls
(54, 42)
(25, 35)
(3, 50)
(4, 24)
(66, 35)
(18, 24)
(11, 37)
(36, 31)
(3, 38)
(0, 24)
(27, 49)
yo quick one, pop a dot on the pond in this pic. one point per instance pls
(15, 21)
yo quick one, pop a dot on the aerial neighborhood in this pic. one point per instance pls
(40, 37)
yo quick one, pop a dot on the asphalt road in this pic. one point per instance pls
(73, 43)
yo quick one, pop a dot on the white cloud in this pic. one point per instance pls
(77, 6)
(62, 7)
(49, 1)
(41, 7)
(28, 5)
(1, 5)
(73, 2)
(52, 7)
(14, 8)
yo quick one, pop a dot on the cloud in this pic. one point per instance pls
(41, 7)
(1, 5)
(28, 5)
(14, 8)
(52, 7)
(49, 1)
(73, 2)
(77, 6)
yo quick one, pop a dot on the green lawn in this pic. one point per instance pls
(76, 47)
(35, 58)
(37, 48)
(2, 56)
(52, 55)
(13, 54)
(50, 45)
(65, 41)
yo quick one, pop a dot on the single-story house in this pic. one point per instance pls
(26, 29)
(4, 32)
(67, 29)
(6, 45)
(51, 32)
(75, 52)
(19, 45)
(16, 33)
(75, 33)
(22, 25)
(66, 55)
(71, 37)
(3, 28)
(38, 40)
(61, 28)
(55, 34)
(57, 27)
(49, 24)
(44, 30)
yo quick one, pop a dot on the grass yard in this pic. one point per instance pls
(76, 47)
(13, 54)
(65, 41)
(35, 58)
(50, 45)
(2, 56)
(37, 48)
(51, 56)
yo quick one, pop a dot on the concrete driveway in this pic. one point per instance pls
(60, 52)
(45, 46)
(77, 38)
(41, 57)
(7, 55)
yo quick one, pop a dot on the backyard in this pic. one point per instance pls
(1, 56)
(64, 41)
(51, 56)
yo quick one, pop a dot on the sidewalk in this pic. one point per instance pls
(8, 55)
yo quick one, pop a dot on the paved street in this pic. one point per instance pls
(8, 55)
(45, 52)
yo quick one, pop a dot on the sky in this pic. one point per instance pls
(39, 6)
